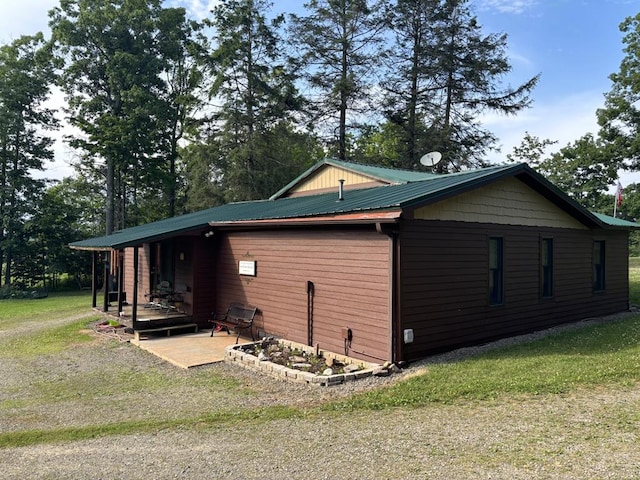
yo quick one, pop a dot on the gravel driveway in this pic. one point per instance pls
(584, 435)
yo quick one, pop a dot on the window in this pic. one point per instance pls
(547, 267)
(598, 265)
(496, 274)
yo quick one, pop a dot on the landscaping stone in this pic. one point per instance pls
(269, 357)
(351, 368)
(301, 365)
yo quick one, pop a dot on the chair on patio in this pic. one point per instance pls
(155, 298)
(175, 300)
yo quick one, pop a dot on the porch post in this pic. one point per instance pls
(120, 266)
(105, 301)
(94, 279)
(134, 312)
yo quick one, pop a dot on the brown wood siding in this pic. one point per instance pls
(444, 281)
(350, 270)
(144, 275)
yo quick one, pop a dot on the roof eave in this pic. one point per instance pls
(339, 219)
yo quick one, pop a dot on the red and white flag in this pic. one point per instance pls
(619, 194)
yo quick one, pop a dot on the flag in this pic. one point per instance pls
(619, 194)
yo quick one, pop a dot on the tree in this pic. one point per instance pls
(202, 177)
(620, 118)
(584, 171)
(26, 73)
(338, 47)
(128, 87)
(445, 72)
(258, 99)
(182, 96)
(531, 150)
(380, 145)
(65, 215)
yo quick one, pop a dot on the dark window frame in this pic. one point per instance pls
(547, 287)
(496, 270)
(599, 266)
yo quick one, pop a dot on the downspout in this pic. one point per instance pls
(310, 298)
(397, 354)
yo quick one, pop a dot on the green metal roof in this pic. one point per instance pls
(615, 222)
(388, 175)
(381, 198)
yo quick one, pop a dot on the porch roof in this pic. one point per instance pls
(373, 204)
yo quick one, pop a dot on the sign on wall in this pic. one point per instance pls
(247, 267)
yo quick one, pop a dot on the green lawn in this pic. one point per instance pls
(56, 305)
(634, 280)
(590, 357)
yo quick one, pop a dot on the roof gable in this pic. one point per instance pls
(326, 173)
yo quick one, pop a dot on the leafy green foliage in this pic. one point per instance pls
(619, 119)
(130, 79)
(584, 170)
(26, 74)
(531, 150)
(259, 100)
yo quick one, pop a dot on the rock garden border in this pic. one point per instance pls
(236, 354)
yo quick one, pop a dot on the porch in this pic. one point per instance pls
(146, 318)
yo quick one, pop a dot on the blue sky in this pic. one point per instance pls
(574, 44)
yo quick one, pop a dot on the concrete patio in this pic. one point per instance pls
(189, 350)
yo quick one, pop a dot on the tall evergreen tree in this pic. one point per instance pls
(258, 97)
(337, 46)
(445, 72)
(26, 74)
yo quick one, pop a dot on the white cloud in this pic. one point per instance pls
(196, 9)
(508, 6)
(564, 121)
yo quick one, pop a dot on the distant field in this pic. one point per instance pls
(634, 280)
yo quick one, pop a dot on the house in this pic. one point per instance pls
(383, 264)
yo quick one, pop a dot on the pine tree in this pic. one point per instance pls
(444, 72)
(26, 74)
(258, 98)
(337, 47)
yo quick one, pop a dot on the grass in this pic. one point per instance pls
(47, 342)
(634, 280)
(597, 356)
(59, 305)
(34, 437)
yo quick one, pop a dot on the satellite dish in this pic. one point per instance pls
(431, 159)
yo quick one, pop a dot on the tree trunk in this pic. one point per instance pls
(109, 213)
